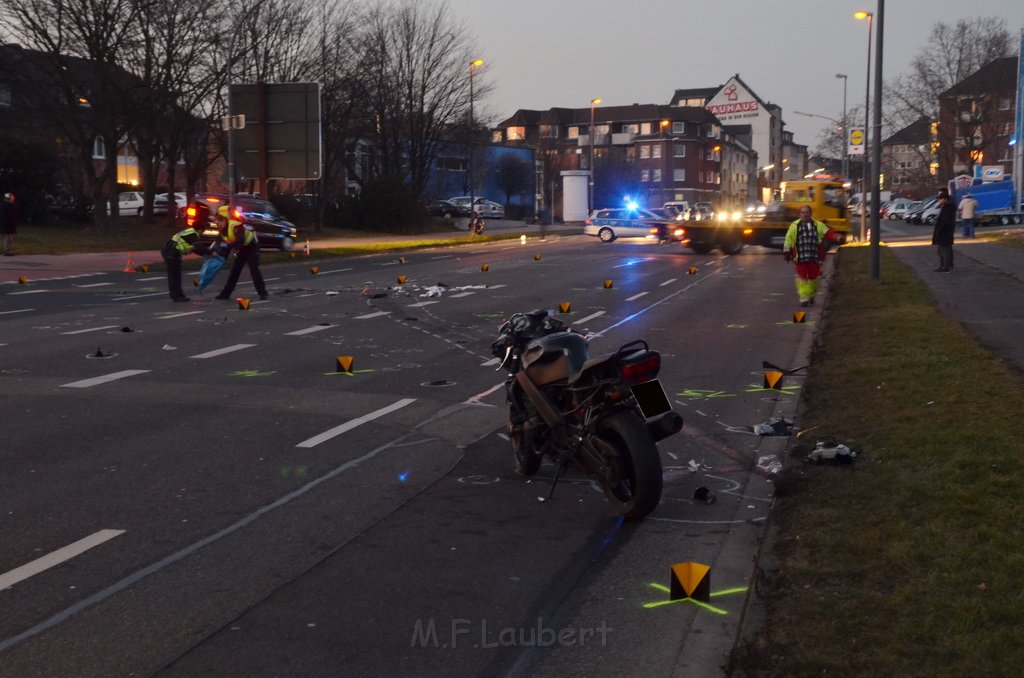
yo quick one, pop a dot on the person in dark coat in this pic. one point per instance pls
(945, 227)
(9, 220)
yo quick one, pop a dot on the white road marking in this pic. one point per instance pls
(460, 294)
(12, 294)
(96, 381)
(495, 287)
(349, 425)
(424, 303)
(95, 284)
(20, 310)
(156, 277)
(222, 351)
(636, 296)
(249, 282)
(667, 282)
(139, 296)
(631, 262)
(446, 256)
(91, 329)
(492, 361)
(20, 574)
(377, 314)
(308, 330)
(589, 318)
(179, 315)
(335, 270)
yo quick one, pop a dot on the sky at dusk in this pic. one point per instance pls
(545, 53)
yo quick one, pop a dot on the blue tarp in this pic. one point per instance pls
(211, 266)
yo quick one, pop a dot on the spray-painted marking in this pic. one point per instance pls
(696, 393)
(637, 296)
(91, 329)
(20, 574)
(179, 315)
(102, 284)
(424, 303)
(349, 425)
(222, 351)
(460, 294)
(372, 315)
(698, 603)
(96, 381)
(20, 310)
(13, 294)
(667, 282)
(139, 296)
(308, 330)
(589, 318)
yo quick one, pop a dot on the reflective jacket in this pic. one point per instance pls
(238, 235)
(185, 241)
(807, 250)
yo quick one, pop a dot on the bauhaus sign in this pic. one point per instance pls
(855, 141)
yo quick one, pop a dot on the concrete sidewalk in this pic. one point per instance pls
(985, 291)
(42, 267)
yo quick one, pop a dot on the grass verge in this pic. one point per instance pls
(909, 561)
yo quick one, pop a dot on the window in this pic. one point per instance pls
(679, 128)
(1004, 103)
(645, 128)
(656, 151)
(712, 131)
(549, 131)
(601, 129)
(678, 150)
(5, 94)
(679, 175)
(698, 102)
(99, 149)
(656, 175)
(515, 133)
(645, 175)
(451, 164)
(631, 129)
(496, 137)
(574, 132)
(645, 151)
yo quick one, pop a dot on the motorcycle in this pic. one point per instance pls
(601, 415)
(476, 224)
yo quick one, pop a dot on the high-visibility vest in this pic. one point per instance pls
(185, 240)
(232, 237)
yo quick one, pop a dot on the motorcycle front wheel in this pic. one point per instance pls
(526, 461)
(633, 481)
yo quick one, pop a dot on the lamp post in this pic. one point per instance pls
(867, 114)
(846, 132)
(839, 126)
(469, 162)
(876, 151)
(593, 139)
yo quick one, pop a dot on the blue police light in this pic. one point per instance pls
(631, 204)
(1013, 140)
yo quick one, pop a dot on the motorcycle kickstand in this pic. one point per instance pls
(558, 474)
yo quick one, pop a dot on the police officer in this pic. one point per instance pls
(242, 240)
(180, 244)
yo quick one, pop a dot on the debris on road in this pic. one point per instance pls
(829, 450)
(774, 427)
(769, 464)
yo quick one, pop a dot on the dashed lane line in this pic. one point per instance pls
(668, 282)
(590, 317)
(91, 329)
(308, 330)
(221, 351)
(100, 284)
(179, 315)
(96, 381)
(424, 303)
(139, 296)
(460, 295)
(636, 296)
(351, 424)
(20, 574)
(20, 310)
(14, 294)
(376, 314)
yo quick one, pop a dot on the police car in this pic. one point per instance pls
(610, 224)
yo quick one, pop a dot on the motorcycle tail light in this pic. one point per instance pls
(644, 369)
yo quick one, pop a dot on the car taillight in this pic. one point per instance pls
(190, 217)
(587, 221)
(680, 232)
(644, 369)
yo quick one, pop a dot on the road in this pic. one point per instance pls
(196, 489)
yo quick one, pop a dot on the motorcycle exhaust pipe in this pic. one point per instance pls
(663, 425)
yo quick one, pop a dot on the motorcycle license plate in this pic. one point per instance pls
(651, 398)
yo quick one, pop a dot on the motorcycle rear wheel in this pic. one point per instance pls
(634, 484)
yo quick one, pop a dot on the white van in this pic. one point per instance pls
(676, 207)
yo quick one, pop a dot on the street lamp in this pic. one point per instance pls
(846, 132)
(839, 126)
(593, 138)
(867, 111)
(469, 162)
(876, 151)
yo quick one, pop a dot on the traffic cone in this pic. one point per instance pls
(129, 266)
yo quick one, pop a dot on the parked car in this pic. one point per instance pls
(160, 203)
(272, 230)
(447, 209)
(485, 208)
(917, 216)
(129, 202)
(610, 224)
(897, 209)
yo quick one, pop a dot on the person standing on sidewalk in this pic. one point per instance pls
(967, 208)
(242, 239)
(945, 228)
(806, 244)
(9, 220)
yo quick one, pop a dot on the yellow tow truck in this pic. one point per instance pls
(731, 231)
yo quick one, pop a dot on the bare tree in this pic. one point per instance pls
(513, 176)
(414, 80)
